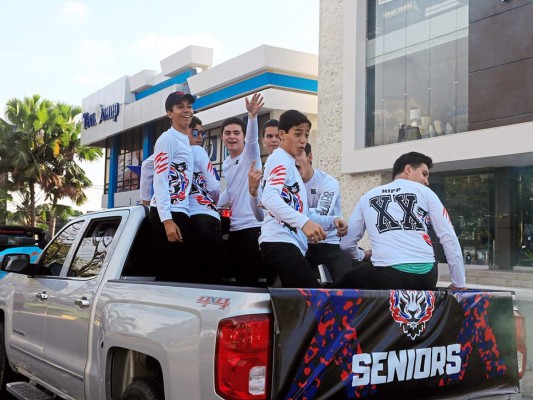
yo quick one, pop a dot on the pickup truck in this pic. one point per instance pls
(89, 321)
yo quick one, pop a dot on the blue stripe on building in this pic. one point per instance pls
(178, 79)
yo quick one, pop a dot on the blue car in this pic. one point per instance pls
(21, 239)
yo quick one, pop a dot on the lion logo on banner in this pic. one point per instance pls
(412, 309)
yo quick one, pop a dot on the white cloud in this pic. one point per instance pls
(74, 8)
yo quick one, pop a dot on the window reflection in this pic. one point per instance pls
(55, 255)
(93, 249)
(417, 70)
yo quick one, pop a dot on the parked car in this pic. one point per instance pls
(21, 239)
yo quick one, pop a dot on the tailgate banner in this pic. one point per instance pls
(347, 344)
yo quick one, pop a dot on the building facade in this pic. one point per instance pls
(127, 116)
(451, 79)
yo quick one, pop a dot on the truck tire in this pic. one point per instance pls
(143, 389)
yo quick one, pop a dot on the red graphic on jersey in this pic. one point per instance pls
(161, 162)
(445, 214)
(278, 175)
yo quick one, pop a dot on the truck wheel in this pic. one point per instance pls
(143, 389)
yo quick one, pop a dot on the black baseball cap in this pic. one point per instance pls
(177, 97)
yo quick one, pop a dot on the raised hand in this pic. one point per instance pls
(254, 179)
(254, 105)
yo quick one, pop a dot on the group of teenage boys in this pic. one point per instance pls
(286, 217)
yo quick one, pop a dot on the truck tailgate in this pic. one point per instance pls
(393, 343)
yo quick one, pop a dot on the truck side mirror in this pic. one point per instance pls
(16, 263)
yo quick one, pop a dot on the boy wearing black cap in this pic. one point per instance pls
(173, 172)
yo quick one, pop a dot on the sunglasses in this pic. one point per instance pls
(197, 132)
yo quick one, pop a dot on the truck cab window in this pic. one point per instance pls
(54, 257)
(93, 248)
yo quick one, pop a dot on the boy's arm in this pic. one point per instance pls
(251, 142)
(147, 177)
(356, 229)
(327, 197)
(272, 201)
(162, 159)
(442, 225)
(212, 184)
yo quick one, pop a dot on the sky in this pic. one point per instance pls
(65, 50)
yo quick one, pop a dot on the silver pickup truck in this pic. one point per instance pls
(89, 321)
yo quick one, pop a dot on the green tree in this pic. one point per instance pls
(39, 146)
(63, 177)
(24, 146)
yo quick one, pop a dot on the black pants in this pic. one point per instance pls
(172, 258)
(286, 260)
(206, 249)
(336, 260)
(244, 256)
(366, 276)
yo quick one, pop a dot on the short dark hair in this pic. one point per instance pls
(292, 118)
(412, 158)
(307, 149)
(195, 121)
(271, 122)
(234, 120)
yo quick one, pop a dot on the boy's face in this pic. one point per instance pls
(181, 115)
(294, 141)
(420, 174)
(196, 141)
(233, 139)
(271, 139)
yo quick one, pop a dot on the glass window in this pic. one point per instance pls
(130, 154)
(54, 256)
(417, 70)
(469, 200)
(93, 249)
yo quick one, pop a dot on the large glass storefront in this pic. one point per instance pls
(471, 202)
(417, 70)
(524, 216)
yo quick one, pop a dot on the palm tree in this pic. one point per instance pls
(39, 146)
(24, 146)
(63, 177)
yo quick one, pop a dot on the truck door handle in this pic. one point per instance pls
(83, 302)
(42, 296)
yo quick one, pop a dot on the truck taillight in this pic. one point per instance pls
(225, 212)
(243, 357)
(521, 349)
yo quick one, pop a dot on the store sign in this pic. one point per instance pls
(100, 115)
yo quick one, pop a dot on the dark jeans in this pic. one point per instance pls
(172, 258)
(366, 276)
(337, 261)
(286, 260)
(244, 256)
(206, 249)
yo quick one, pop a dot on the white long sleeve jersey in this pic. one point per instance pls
(205, 186)
(323, 197)
(147, 178)
(173, 171)
(397, 217)
(235, 171)
(285, 200)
